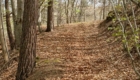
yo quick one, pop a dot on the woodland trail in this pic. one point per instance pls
(76, 52)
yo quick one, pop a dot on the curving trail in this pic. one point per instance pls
(76, 52)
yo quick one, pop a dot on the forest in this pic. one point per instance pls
(69, 40)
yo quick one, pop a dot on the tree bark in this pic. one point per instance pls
(81, 11)
(49, 16)
(28, 42)
(8, 24)
(94, 10)
(2, 38)
(72, 10)
(67, 3)
(104, 8)
(83, 4)
(59, 12)
(18, 27)
(39, 20)
(13, 11)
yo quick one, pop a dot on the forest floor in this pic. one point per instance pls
(77, 52)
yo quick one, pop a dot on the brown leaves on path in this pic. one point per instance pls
(74, 52)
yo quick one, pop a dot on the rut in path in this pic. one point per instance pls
(77, 52)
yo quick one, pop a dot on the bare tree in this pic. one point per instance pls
(2, 38)
(50, 16)
(27, 55)
(83, 4)
(94, 10)
(8, 24)
(19, 19)
(67, 4)
(104, 8)
(13, 11)
(59, 12)
(72, 10)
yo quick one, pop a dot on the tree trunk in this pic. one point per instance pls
(39, 20)
(67, 2)
(28, 42)
(49, 16)
(82, 12)
(72, 11)
(94, 10)
(104, 8)
(8, 24)
(18, 27)
(2, 38)
(75, 18)
(13, 11)
(101, 13)
(59, 10)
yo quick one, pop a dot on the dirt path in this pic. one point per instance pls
(74, 52)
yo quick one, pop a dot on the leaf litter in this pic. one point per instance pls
(74, 52)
